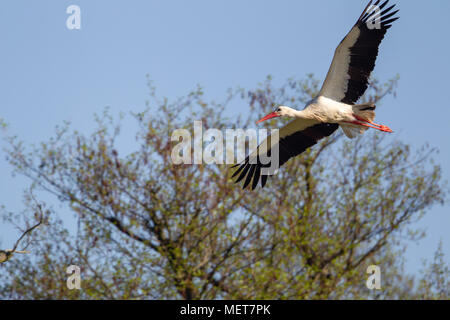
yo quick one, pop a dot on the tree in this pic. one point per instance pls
(7, 254)
(147, 228)
(435, 284)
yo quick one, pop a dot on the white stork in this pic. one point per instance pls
(334, 107)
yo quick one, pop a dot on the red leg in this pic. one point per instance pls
(375, 125)
(381, 127)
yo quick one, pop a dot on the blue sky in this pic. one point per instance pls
(50, 74)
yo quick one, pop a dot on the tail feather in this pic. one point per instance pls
(352, 131)
(365, 111)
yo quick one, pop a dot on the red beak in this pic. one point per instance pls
(269, 116)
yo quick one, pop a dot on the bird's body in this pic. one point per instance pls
(349, 117)
(334, 107)
(328, 110)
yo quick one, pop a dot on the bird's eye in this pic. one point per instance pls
(279, 110)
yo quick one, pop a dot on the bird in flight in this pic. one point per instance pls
(335, 106)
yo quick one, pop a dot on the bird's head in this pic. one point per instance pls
(281, 111)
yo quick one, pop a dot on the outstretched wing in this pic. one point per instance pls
(354, 58)
(294, 138)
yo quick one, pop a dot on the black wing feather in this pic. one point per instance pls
(289, 147)
(364, 52)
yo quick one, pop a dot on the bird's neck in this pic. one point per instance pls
(301, 114)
